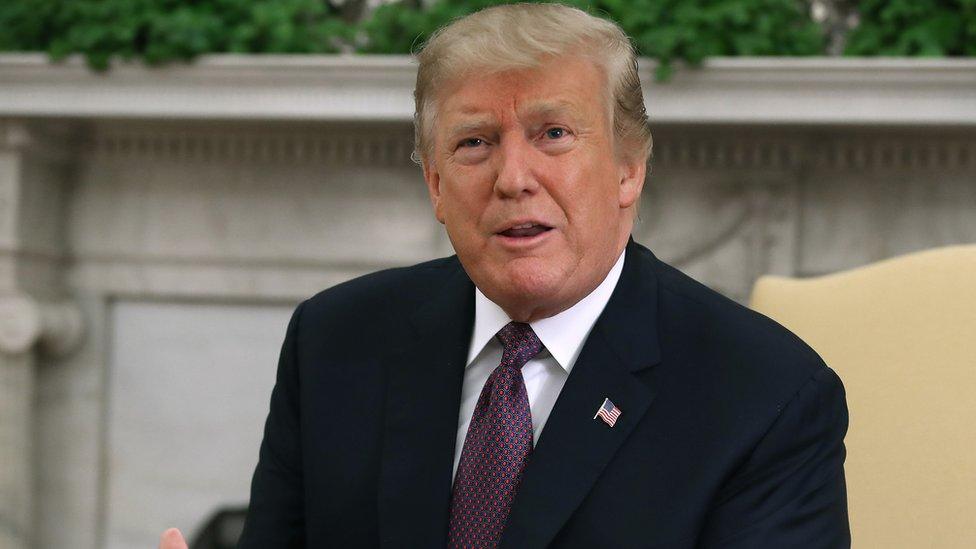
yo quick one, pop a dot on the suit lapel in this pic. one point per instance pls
(422, 403)
(574, 448)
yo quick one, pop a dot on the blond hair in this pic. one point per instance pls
(522, 36)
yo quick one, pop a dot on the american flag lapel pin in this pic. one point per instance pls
(608, 412)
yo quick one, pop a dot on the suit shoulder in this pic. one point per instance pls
(381, 293)
(749, 345)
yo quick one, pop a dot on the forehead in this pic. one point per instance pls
(563, 86)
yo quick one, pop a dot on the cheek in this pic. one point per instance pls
(589, 192)
(592, 212)
(462, 203)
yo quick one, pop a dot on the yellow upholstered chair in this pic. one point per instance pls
(901, 334)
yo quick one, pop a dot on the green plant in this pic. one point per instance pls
(914, 28)
(691, 30)
(157, 31)
(667, 30)
(163, 30)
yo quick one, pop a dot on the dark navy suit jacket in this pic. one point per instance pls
(731, 433)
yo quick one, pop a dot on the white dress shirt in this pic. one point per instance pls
(562, 335)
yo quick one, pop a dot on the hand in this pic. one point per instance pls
(172, 539)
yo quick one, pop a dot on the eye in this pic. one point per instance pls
(471, 150)
(470, 142)
(556, 133)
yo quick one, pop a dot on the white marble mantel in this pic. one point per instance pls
(815, 90)
(142, 209)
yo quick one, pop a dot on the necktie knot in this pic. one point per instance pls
(519, 344)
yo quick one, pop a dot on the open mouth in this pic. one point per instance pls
(525, 230)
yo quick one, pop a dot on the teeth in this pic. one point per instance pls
(524, 226)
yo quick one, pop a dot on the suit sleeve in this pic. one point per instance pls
(275, 516)
(791, 491)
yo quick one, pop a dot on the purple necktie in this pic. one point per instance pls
(496, 448)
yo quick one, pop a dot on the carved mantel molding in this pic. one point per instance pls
(33, 322)
(51, 141)
(675, 146)
(56, 328)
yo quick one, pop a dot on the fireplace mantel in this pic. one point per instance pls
(757, 90)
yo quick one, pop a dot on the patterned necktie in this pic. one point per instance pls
(496, 448)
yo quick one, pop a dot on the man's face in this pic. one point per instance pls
(524, 176)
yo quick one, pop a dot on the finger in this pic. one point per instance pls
(172, 539)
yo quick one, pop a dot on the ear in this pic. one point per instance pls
(433, 179)
(632, 172)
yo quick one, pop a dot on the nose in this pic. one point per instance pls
(516, 167)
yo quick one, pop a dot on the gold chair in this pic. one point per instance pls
(901, 334)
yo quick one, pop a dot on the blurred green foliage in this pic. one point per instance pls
(914, 28)
(692, 31)
(163, 30)
(667, 30)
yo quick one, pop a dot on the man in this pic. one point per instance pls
(554, 384)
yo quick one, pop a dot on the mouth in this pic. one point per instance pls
(525, 230)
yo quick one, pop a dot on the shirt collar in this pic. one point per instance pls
(563, 334)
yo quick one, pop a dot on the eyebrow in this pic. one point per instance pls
(471, 126)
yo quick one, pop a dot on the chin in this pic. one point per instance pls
(530, 282)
